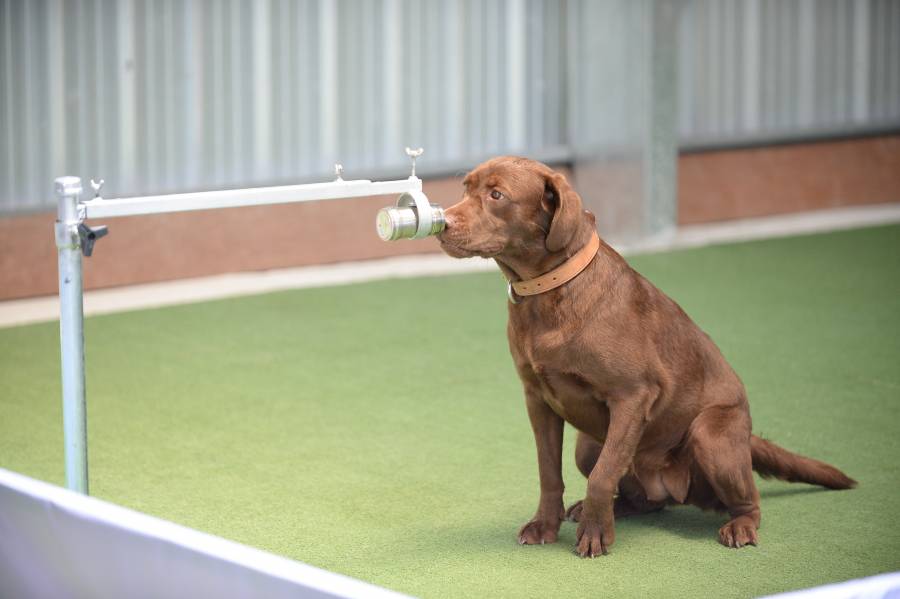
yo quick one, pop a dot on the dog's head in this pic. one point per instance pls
(512, 208)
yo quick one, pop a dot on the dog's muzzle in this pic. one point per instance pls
(413, 218)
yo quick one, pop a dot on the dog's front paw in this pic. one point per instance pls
(593, 539)
(538, 532)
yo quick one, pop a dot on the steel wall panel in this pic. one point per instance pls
(182, 95)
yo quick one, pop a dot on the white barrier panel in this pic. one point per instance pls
(58, 543)
(884, 586)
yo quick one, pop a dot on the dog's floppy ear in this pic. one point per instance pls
(565, 206)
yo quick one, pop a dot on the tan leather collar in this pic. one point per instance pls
(560, 275)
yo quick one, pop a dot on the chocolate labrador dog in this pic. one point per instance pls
(661, 416)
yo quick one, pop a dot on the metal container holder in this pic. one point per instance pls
(413, 218)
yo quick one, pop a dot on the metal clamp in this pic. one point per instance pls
(89, 236)
(424, 217)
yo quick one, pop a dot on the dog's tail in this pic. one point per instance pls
(771, 460)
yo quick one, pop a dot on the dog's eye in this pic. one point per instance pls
(496, 194)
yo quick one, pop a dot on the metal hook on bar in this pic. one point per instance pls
(97, 186)
(413, 154)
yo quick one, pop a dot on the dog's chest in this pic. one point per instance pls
(575, 400)
(552, 357)
(561, 348)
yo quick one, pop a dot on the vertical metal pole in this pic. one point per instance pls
(71, 332)
(622, 98)
(661, 131)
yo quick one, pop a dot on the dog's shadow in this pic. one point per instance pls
(693, 523)
(686, 521)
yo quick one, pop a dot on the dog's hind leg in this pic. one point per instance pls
(631, 500)
(720, 440)
(587, 451)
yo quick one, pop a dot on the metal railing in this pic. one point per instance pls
(74, 239)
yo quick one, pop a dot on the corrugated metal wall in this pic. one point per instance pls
(757, 70)
(176, 95)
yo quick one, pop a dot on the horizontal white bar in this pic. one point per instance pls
(258, 196)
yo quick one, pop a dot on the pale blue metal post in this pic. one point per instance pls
(71, 332)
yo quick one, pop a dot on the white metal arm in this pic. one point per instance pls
(231, 198)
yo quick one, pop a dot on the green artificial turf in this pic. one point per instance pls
(378, 430)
